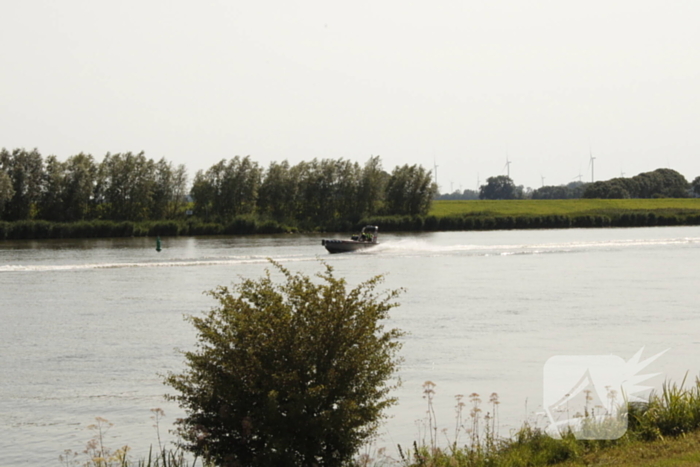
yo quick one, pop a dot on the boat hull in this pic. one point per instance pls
(346, 246)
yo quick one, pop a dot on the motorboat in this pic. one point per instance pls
(367, 238)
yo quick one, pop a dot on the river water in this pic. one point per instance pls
(88, 326)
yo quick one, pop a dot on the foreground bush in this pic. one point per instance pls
(288, 374)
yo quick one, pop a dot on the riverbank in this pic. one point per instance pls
(682, 451)
(665, 431)
(564, 207)
(443, 216)
(547, 214)
(39, 230)
(672, 452)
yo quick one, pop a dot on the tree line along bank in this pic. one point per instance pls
(131, 195)
(660, 183)
(128, 187)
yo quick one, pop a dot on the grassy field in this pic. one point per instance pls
(565, 207)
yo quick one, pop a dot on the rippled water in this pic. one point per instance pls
(87, 326)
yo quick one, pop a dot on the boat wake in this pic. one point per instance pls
(416, 247)
(389, 248)
(223, 261)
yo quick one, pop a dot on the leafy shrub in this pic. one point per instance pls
(288, 374)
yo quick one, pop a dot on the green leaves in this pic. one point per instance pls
(228, 188)
(695, 186)
(6, 190)
(25, 170)
(323, 193)
(289, 373)
(661, 183)
(410, 190)
(499, 187)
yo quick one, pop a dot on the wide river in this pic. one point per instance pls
(87, 327)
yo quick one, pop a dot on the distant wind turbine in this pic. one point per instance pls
(542, 177)
(507, 166)
(436, 180)
(591, 162)
(579, 176)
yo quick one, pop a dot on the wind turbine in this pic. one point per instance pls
(591, 162)
(579, 176)
(478, 182)
(507, 166)
(542, 177)
(436, 166)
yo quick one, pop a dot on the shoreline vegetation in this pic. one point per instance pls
(128, 194)
(665, 430)
(443, 216)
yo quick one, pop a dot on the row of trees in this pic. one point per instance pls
(316, 192)
(320, 192)
(664, 183)
(122, 187)
(459, 195)
(571, 190)
(133, 187)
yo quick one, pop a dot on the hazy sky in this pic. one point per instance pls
(462, 83)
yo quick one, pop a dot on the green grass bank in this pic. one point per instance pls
(443, 216)
(546, 214)
(565, 207)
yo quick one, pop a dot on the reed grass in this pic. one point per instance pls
(672, 413)
(39, 230)
(97, 454)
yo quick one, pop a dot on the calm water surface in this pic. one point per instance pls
(87, 326)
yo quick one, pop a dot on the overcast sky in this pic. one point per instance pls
(463, 84)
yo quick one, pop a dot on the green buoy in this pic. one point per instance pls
(158, 248)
